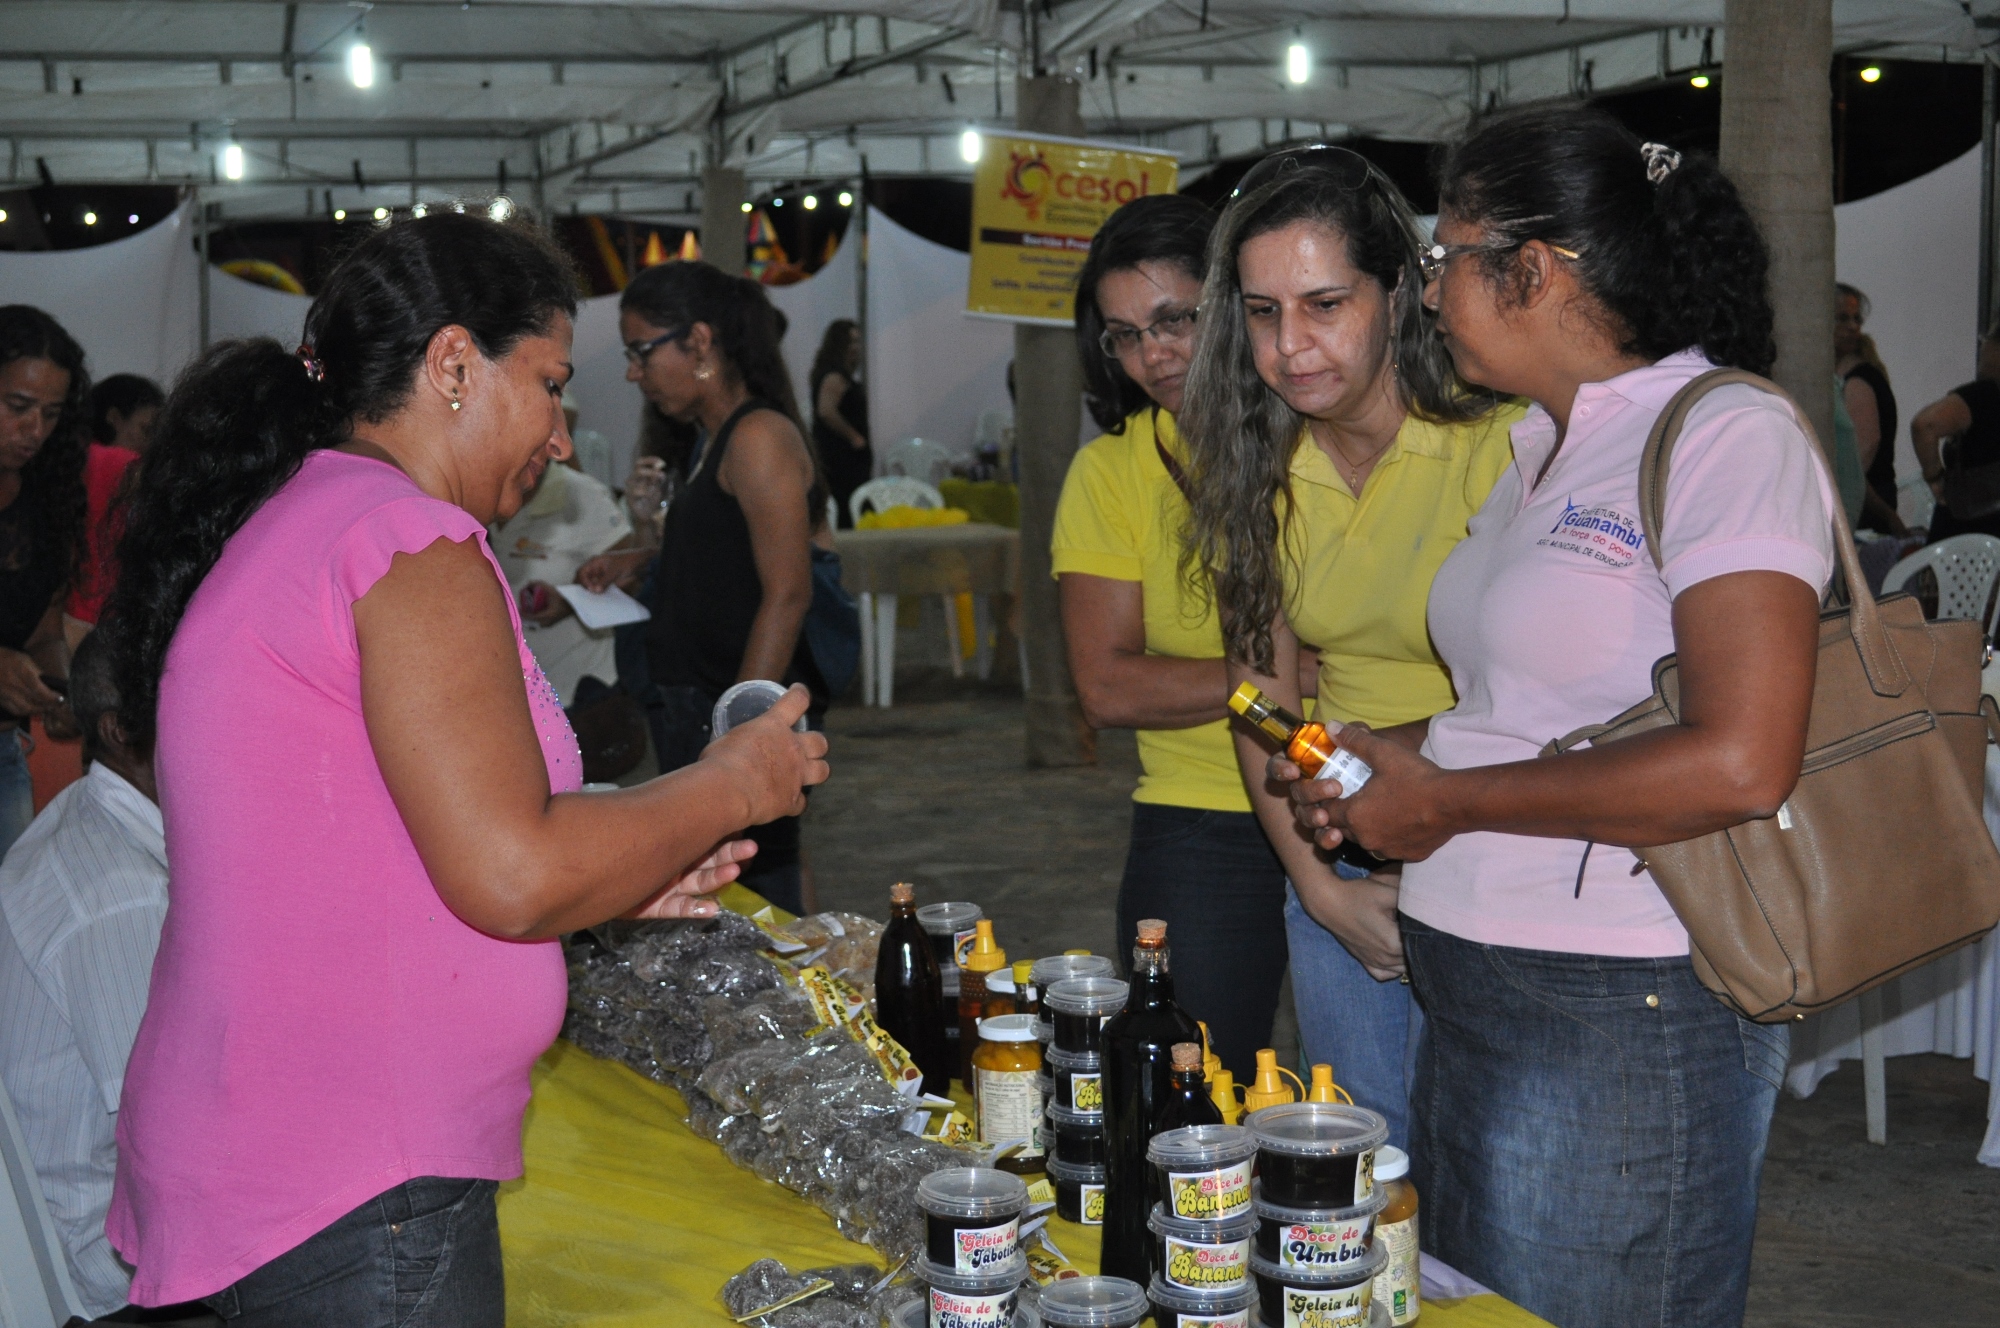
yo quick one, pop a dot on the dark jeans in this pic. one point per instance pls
(679, 719)
(1212, 877)
(423, 1255)
(1589, 1131)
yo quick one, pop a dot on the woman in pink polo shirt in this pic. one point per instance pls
(1590, 1122)
(370, 796)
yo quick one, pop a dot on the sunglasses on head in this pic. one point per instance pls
(1344, 166)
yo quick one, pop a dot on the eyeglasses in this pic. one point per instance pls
(637, 351)
(1348, 168)
(1431, 261)
(1169, 329)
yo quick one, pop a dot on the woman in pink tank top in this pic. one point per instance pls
(371, 796)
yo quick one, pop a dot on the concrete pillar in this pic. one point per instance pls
(1777, 145)
(724, 225)
(1049, 404)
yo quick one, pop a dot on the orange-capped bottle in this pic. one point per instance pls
(1311, 745)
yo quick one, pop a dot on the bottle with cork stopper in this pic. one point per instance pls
(986, 957)
(1138, 1079)
(1189, 1103)
(1311, 745)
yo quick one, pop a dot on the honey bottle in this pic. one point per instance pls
(1396, 1286)
(1270, 1088)
(1222, 1092)
(1311, 745)
(1323, 1089)
(986, 957)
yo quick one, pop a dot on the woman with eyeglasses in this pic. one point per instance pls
(1335, 460)
(1144, 643)
(1590, 1121)
(734, 579)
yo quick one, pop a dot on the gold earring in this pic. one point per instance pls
(703, 372)
(455, 401)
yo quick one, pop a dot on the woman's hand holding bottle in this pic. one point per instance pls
(1396, 813)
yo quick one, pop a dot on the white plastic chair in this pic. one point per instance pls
(1968, 571)
(918, 459)
(878, 612)
(35, 1286)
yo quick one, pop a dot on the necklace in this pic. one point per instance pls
(1354, 467)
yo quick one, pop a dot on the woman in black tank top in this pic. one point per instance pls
(734, 578)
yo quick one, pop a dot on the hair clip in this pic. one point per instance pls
(1660, 160)
(314, 369)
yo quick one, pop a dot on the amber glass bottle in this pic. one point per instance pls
(1311, 745)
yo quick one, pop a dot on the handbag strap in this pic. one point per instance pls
(1887, 674)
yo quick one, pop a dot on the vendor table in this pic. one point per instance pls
(627, 1217)
(879, 566)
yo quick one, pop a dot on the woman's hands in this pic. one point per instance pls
(1396, 813)
(771, 763)
(554, 608)
(608, 569)
(22, 691)
(685, 895)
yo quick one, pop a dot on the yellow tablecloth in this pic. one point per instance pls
(930, 560)
(627, 1218)
(995, 501)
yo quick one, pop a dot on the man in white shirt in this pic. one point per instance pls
(82, 895)
(568, 520)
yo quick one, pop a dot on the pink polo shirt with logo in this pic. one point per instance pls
(321, 1026)
(1550, 615)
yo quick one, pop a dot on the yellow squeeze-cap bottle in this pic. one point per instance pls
(1270, 1089)
(986, 955)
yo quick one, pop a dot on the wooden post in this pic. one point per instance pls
(1047, 410)
(1777, 145)
(723, 229)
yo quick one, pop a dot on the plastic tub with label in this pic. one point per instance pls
(1317, 1154)
(1202, 1172)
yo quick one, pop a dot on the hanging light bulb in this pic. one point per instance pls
(846, 199)
(746, 207)
(361, 61)
(970, 145)
(1698, 81)
(810, 201)
(418, 210)
(500, 208)
(232, 161)
(1298, 63)
(1871, 73)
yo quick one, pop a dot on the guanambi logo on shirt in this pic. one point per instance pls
(1604, 534)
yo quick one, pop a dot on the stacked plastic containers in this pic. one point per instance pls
(1092, 1302)
(951, 927)
(1314, 1256)
(973, 1265)
(1077, 1008)
(1202, 1224)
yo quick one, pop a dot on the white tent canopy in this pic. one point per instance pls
(601, 105)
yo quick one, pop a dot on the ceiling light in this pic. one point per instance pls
(811, 201)
(232, 161)
(419, 210)
(381, 214)
(746, 207)
(846, 200)
(340, 214)
(458, 207)
(1871, 73)
(132, 220)
(361, 65)
(969, 145)
(3, 214)
(777, 202)
(1698, 81)
(90, 218)
(500, 208)
(1298, 63)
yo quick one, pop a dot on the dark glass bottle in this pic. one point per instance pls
(1188, 1102)
(1138, 1079)
(909, 992)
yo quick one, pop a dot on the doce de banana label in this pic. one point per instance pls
(1087, 1091)
(1210, 1195)
(1206, 1267)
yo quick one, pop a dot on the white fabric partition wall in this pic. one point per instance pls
(811, 304)
(931, 369)
(132, 304)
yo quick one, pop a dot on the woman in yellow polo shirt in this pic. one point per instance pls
(1335, 460)
(1145, 647)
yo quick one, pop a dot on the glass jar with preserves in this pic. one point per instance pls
(1396, 1230)
(1006, 1076)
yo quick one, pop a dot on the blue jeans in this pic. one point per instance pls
(1366, 1030)
(17, 790)
(1212, 877)
(1590, 1131)
(423, 1255)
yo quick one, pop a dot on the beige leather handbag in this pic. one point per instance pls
(1880, 860)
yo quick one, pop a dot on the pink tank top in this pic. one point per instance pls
(321, 1027)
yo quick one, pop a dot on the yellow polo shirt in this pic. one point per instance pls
(1121, 517)
(1358, 572)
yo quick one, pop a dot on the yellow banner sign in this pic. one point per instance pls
(1036, 203)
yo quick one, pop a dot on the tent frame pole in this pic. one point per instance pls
(201, 249)
(1989, 180)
